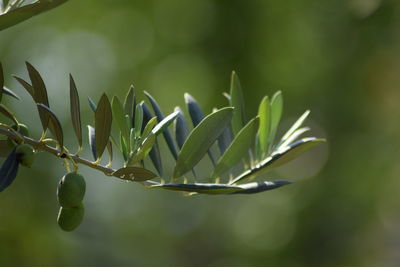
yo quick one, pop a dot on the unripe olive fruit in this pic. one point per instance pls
(70, 218)
(25, 155)
(71, 190)
(23, 130)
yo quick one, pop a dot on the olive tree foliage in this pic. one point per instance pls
(239, 148)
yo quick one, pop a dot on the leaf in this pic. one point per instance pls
(110, 152)
(92, 105)
(6, 112)
(139, 119)
(257, 187)
(119, 118)
(181, 128)
(276, 113)
(1, 81)
(40, 93)
(155, 151)
(10, 93)
(23, 13)
(129, 102)
(166, 132)
(149, 127)
(201, 188)
(143, 150)
(102, 124)
(280, 157)
(237, 101)
(54, 125)
(134, 174)
(8, 170)
(201, 139)
(197, 115)
(224, 140)
(293, 137)
(92, 141)
(162, 125)
(295, 126)
(238, 148)
(26, 85)
(5, 148)
(75, 110)
(264, 128)
(124, 148)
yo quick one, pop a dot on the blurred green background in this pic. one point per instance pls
(339, 58)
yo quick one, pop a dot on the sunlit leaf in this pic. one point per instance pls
(237, 101)
(257, 187)
(6, 112)
(293, 137)
(134, 174)
(54, 124)
(201, 139)
(23, 13)
(295, 126)
(8, 170)
(264, 128)
(92, 141)
(7, 91)
(202, 188)
(238, 148)
(162, 125)
(149, 126)
(166, 132)
(103, 121)
(276, 113)
(75, 110)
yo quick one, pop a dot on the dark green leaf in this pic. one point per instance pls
(201, 139)
(92, 105)
(102, 124)
(201, 188)
(237, 101)
(166, 132)
(124, 148)
(238, 148)
(134, 174)
(8, 170)
(1, 81)
(6, 112)
(257, 187)
(40, 93)
(54, 124)
(23, 13)
(75, 110)
(264, 129)
(92, 141)
(181, 128)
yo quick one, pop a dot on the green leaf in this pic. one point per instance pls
(75, 110)
(181, 128)
(103, 121)
(166, 132)
(129, 103)
(54, 125)
(92, 141)
(292, 137)
(238, 148)
(40, 94)
(124, 148)
(264, 128)
(1, 81)
(110, 151)
(143, 150)
(26, 85)
(6, 112)
(295, 126)
(23, 13)
(5, 148)
(201, 188)
(138, 119)
(257, 187)
(276, 113)
(92, 105)
(162, 125)
(134, 174)
(201, 139)
(119, 118)
(149, 127)
(237, 101)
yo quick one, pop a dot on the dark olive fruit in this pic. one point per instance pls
(70, 218)
(25, 155)
(23, 130)
(71, 190)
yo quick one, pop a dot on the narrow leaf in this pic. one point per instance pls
(54, 124)
(237, 101)
(7, 91)
(75, 110)
(264, 129)
(92, 141)
(257, 187)
(119, 118)
(1, 81)
(201, 139)
(201, 188)
(110, 152)
(238, 148)
(295, 126)
(139, 119)
(92, 105)
(166, 132)
(103, 121)
(6, 112)
(128, 103)
(162, 125)
(181, 128)
(149, 127)
(8, 170)
(134, 174)
(276, 113)
(143, 150)
(26, 85)
(293, 137)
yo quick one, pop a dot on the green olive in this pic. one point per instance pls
(25, 155)
(22, 129)
(70, 218)
(71, 190)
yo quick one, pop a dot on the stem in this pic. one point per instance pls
(58, 153)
